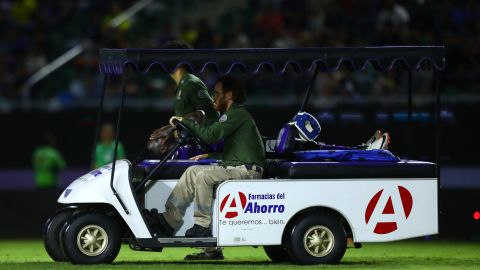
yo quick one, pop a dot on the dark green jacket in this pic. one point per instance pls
(192, 95)
(47, 162)
(242, 141)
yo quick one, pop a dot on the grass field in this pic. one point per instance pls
(420, 254)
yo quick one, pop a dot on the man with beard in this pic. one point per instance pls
(191, 96)
(243, 157)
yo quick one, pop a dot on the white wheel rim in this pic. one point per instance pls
(318, 241)
(92, 240)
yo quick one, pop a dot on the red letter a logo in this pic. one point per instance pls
(386, 220)
(233, 204)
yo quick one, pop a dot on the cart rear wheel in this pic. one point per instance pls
(277, 253)
(91, 238)
(317, 239)
(51, 234)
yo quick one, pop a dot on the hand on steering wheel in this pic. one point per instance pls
(178, 118)
(186, 134)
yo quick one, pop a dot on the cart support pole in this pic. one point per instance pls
(119, 120)
(437, 136)
(310, 87)
(438, 121)
(141, 185)
(409, 123)
(99, 118)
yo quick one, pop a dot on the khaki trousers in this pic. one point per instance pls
(197, 184)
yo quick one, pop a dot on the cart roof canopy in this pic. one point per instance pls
(224, 61)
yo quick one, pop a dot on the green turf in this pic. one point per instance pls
(420, 254)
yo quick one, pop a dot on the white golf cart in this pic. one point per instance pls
(304, 209)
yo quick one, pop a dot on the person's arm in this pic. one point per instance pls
(216, 131)
(58, 160)
(61, 163)
(217, 156)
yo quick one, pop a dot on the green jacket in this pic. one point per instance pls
(192, 95)
(47, 162)
(104, 153)
(242, 141)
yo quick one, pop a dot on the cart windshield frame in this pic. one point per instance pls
(252, 61)
(114, 62)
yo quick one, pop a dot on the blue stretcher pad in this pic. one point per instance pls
(345, 155)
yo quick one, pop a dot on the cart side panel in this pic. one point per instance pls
(256, 212)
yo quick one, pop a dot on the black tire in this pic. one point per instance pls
(277, 253)
(51, 234)
(317, 239)
(101, 232)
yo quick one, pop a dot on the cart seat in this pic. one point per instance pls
(172, 169)
(355, 169)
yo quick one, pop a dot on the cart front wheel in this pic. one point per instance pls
(317, 239)
(91, 238)
(51, 233)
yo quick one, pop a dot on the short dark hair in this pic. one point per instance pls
(234, 85)
(176, 44)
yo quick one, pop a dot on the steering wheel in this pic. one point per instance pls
(186, 134)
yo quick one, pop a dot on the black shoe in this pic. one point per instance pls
(205, 255)
(149, 215)
(198, 231)
(158, 223)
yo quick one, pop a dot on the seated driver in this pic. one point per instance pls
(243, 157)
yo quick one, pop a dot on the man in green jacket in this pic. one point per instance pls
(243, 158)
(47, 162)
(105, 148)
(191, 93)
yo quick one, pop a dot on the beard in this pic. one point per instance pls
(221, 105)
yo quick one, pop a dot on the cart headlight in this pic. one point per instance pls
(67, 192)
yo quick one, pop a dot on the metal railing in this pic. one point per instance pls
(75, 51)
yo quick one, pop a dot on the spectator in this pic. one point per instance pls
(47, 162)
(35, 34)
(393, 14)
(105, 149)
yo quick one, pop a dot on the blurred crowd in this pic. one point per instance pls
(35, 32)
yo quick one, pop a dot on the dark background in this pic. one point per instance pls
(349, 106)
